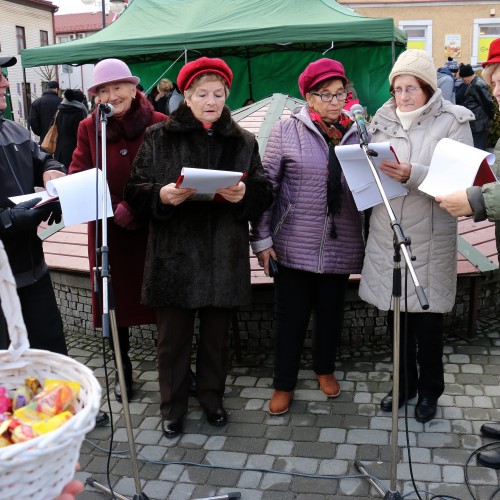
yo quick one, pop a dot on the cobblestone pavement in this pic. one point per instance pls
(288, 457)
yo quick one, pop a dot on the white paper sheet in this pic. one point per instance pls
(77, 195)
(359, 175)
(207, 181)
(455, 167)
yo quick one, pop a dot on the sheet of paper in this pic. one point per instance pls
(359, 175)
(455, 167)
(207, 181)
(77, 194)
(26, 197)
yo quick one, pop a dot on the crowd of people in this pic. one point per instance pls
(176, 254)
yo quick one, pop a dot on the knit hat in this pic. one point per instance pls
(465, 70)
(452, 65)
(109, 71)
(200, 66)
(493, 53)
(318, 71)
(7, 62)
(52, 85)
(416, 63)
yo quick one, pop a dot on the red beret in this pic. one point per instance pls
(203, 65)
(322, 69)
(493, 53)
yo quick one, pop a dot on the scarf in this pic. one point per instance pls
(333, 135)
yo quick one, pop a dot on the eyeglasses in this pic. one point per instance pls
(327, 97)
(408, 90)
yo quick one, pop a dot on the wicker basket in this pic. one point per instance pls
(41, 467)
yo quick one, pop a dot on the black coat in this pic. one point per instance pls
(42, 112)
(67, 121)
(198, 251)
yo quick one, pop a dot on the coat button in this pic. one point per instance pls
(124, 152)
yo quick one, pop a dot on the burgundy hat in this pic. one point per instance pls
(322, 69)
(493, 53)
(203, 65)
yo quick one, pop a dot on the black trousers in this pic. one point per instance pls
(421, 354)
(41, 317)
(175, 336)
(298, 293)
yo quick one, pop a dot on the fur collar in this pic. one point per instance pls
(133, 124)
(183, 120)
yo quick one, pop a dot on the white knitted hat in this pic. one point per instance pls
(416, 63)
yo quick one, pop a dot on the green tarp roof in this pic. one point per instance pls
(153, 29)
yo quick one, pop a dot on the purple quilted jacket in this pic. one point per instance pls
(298, 225)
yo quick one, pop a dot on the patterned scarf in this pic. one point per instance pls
(333, 135)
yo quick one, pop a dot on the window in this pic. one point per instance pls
(21, 38)
(484, 32)
(419, 34)
(44, 38)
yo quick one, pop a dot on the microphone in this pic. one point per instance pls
(106, 109)
(358, 113)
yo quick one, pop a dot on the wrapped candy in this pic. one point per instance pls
(5, 402)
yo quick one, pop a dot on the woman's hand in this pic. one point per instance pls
(398, 171)
(52, 174)
(455, 204)
(263, 258)
(71, 490)
(171, 195)
(233, 194)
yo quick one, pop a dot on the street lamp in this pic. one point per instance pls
(115, 6)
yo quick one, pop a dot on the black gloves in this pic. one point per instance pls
(53, 212)
(24, 217)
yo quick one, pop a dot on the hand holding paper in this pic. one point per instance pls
(455, 167)
(207, 181)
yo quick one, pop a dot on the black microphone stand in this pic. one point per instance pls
(400, 243)
(109, 320)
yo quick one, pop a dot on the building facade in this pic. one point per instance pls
(444, 28)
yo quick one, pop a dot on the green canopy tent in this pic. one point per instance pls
(267, 43)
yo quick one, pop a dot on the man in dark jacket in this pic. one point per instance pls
(478, 99)
(22, 166)
(43, 110)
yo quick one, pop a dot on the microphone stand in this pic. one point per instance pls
(109, 320)
(400, 243)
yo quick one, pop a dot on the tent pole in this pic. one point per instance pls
(25, 99)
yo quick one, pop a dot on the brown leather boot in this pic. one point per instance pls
(280, 402)
(329, 385)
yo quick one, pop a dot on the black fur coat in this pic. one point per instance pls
(198, 251)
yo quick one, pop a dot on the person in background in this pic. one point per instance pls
(168, 98)
(477, 98)
(414, 120)
(247, 102)
(43, 110)
(22, 167)
(483, 203)
(313, 229)
(71, 112)
(446, 82)
(127, 234)
(197, 257)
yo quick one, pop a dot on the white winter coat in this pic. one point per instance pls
(431, 229)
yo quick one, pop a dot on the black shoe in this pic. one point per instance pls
(216, 416)
(118, 389)
(386, 403)
(491, 430)
(490, 458)
(425, 410)
(101, 419)
(192, 382)
(172, 428)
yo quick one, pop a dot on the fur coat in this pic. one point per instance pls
(198, 251)
(127, 248)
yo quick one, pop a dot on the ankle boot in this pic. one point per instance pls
(127, 371)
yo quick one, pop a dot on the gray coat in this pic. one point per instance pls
(298, 225)
(432, 230)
